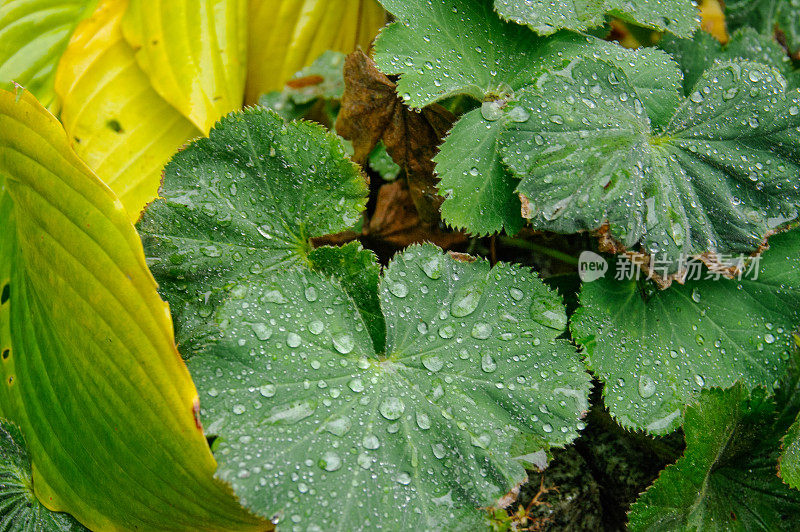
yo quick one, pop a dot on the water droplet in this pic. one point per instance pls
(699, 380)
(647, 386)
(398, 288)
(239, 409)
(769, 338)
(392, 408)
(465, 301)
(549, 312)
(423, 421)
(293, 340)
(438, 450)
(447, 332)
(267, 390)
(357, 385)
(311, 294)
(316, 327)
(371, 442)
(432, 267)
(338, 426)
(487, 363)
(261, 330)
(432, 363)
(330, 461)
(516, 294)
(481, 331)
(696, 295)
(343, 343)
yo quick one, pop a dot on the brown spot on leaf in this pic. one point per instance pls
(307, 81)
(371, 111)
(196, 414)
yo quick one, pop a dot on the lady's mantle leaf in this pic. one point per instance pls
(441, 50)
(20, 510)
(768, 17)
(241, 202)
(358, 271)
(726, 479)
(33, 35)
(318, 429)
(116, 121)
(698, 54)
(88, 365)
(656, 351)
(545, 17)
(719, 178)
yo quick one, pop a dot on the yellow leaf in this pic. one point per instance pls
(193, 51)
(116, 121)
(287, 35)
(89, 368)
(33, 35)
(714, 20)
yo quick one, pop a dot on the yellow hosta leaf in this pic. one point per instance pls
(89, 368)
(714, 20)
(287, 35)
(193, 51)
(115, 119)
(33, 35)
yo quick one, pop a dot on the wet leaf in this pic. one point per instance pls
(655, 350)
(698, 54)
(440, 51)
(116, 121)
(316, 428)
(89, 370)
(726, 479)
(372, 111)
(33, 35)
(242, 202)
(20, 510)
(768, 17)
(718, 179)
(679, 17)
(358, 271)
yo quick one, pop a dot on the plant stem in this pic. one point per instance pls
(524, 244)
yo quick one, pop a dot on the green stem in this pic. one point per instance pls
(524, 244)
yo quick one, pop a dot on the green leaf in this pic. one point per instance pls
(440, 50)
(726, 479)
(444, 49)
(381, 162)
(318, 429)
(719, 178)
(679, 17)
(655, 350)
(358, 271)
(790, 445)
(242, 202)
(89, 370)
(323, 79)
(766, 16)
(698, 54)
(33, 35)
(478, 190)
(20, 510)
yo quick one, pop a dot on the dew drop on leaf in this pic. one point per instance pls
(392, 408)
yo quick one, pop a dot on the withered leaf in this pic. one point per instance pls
(371, 111)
